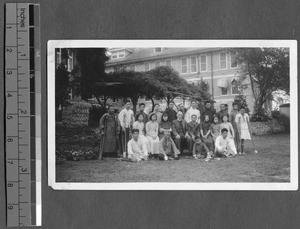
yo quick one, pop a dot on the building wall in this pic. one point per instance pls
(212, 60)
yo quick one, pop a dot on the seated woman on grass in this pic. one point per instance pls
(224, 145)
(137, 150)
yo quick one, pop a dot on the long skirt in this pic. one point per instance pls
(245, 134)
(237, 140)
(146, 141)
(154, 145)
(109, 139)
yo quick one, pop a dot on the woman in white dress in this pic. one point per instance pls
(139, 124)
(242, 121)
(152, 134)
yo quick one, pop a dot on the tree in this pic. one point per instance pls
(133, 85)
(92, 71)
(268, 70)
(241, 101)
(171, 84)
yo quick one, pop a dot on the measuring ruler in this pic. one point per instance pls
(23, 114)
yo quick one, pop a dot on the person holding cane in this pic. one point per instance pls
(126, 118)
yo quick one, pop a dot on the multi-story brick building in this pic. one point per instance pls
(216, 66)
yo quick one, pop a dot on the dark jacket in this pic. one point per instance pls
(193, 129)
(172, 115)
(176, 127)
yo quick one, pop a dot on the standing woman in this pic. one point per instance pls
(152, 134)
(139, 124)
(165, 125)
(227, 125)
(205, 129)
(242, 120)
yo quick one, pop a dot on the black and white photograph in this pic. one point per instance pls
(172, 114)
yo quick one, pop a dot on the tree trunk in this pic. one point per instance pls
(134, 103)
(153, 102)
(98, 100)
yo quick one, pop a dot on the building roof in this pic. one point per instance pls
(148, 54)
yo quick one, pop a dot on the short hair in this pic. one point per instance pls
(156, 104)
(243, 107)
(215, 116)
(225, 116)
(128, 101)
(109, 106)
(194, 115)
(224, 130)
(135, 131)
(197, 137)
(222, 104)
(193, 101)
(151, 115)
(139, 114)
(141, 104)
(171, 102)
(206, 102)
(179, 112)
(235, 103)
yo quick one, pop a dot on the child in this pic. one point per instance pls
(242, 120)
(167, 147)
(200, 151)
(205, 129)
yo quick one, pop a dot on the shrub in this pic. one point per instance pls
(240, 100)
(285, 120)
(96, 113)
(276, 115)
(285, 105)
(260, 115)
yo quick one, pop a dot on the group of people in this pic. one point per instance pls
(168, 135)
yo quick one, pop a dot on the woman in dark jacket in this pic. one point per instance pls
(164, 125)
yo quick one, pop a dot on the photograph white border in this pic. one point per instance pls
(291, 44)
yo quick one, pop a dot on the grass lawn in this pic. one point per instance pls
(271, 164)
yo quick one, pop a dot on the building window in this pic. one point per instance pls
(234, 87)
(58, 57)
(147, 66)
(121, 54)
(70, 61)
(132, 67)
(224, 91)
(184, 65)
(233, 61)
(157, 49)
(169, 63)
(156, 64)
(193, 64)
(223, 62)
(203, 64)
(118, 54)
